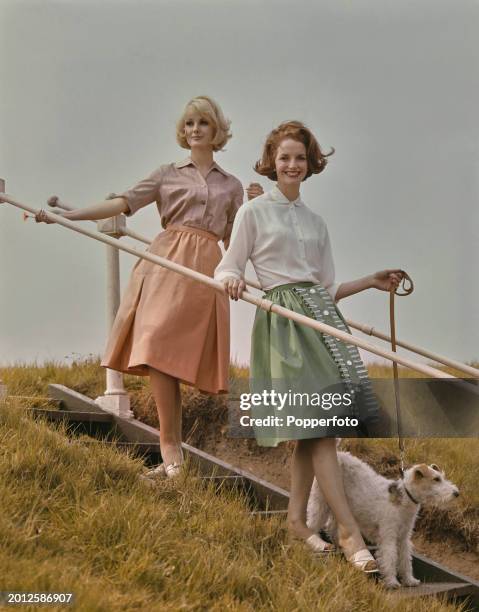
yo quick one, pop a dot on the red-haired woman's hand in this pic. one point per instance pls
(387, 280)
(254, 190)
(234, 287)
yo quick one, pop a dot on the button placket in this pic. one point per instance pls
(299, 234)
(204, 202)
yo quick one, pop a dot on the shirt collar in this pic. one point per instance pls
(278, 196)
(189, 162)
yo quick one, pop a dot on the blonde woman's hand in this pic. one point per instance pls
(254, 190)
(41, 216)
(234, 287)
(387, 280)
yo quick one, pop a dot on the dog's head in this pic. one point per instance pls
(428, 485)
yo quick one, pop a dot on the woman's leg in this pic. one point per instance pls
(166, 391)
(330, 480)
(301, 481)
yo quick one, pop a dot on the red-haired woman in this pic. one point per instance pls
(289, 247)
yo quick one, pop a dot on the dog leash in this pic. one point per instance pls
(407, 287)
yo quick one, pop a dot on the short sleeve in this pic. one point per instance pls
(143, 193)
(236, 202)
(327, 265)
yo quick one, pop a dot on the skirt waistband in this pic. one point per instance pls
(288, 286)
(192, 230)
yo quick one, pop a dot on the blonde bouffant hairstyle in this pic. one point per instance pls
(210, 110)
(296, 131)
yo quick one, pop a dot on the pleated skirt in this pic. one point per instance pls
(172, 323)
(290, 358)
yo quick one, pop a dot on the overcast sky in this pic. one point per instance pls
(90, 95)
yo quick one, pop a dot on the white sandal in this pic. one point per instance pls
(162, 471)
(319, 546)
(157, 472)
(363, 560)
(173, 470)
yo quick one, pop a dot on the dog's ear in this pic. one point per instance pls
(436, 468)
(420, 471)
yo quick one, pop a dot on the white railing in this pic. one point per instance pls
(115, 398)
(362, 327)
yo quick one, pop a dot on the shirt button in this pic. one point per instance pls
(203, 202)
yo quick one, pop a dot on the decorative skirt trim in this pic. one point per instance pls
(320, 305)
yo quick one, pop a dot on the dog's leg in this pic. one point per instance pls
(387, 553)
(405, 560)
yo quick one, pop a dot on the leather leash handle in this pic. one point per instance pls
(407, 287)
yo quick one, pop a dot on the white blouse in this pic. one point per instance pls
(286, 242)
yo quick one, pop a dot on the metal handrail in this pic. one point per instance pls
(247, 297)
(362, 327)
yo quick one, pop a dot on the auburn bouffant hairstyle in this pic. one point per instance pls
(296, 130)
(211, 110)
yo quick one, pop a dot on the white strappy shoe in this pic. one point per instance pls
(162, 471)
(319, 546)
(157, 472)
(363, 560)
(173, 470)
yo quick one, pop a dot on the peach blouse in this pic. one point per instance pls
(184, 197)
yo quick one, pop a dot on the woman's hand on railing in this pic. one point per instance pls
(41, 216)
(254, 190)
(234, 287)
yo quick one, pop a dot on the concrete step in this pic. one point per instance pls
(427, 589)
(73, 416)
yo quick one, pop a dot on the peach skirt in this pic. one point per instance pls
(172, 323)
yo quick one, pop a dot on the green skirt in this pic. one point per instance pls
(311, 384)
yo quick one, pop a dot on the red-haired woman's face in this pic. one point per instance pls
(291, 162)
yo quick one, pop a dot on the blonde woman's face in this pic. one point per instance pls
(199, 130)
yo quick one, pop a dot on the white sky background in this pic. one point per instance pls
(90, 95)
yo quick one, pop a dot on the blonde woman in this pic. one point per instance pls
(168, 327)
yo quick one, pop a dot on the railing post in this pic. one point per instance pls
(3, 388)
(115, 399)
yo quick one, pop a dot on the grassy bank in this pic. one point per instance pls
(77, 519)
(205, 415)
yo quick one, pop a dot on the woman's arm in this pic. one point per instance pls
(231, 268)
(138, 196)
(103, 210)
(384, 280)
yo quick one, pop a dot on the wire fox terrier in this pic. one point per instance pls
(385, 511)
